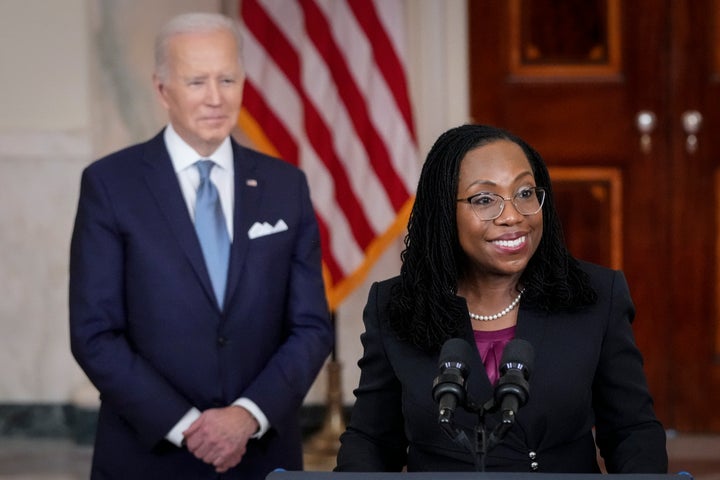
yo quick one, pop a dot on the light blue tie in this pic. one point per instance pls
(212, 230)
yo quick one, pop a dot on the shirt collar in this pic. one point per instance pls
(183, 155)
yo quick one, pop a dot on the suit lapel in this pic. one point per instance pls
(248, 192)
(163, 184)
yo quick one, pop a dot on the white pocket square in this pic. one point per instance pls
(261, 229)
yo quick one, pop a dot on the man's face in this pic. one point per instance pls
(203, 89)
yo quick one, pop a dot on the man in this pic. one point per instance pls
(202, 353)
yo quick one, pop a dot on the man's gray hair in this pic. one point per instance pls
(192, 23)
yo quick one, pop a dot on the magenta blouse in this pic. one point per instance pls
(491, 346)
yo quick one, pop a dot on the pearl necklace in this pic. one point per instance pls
(508, 309)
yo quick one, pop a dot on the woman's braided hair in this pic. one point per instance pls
(424, 310)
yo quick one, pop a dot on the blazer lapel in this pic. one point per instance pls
(530, 327)
(162, 182)
(478, 385)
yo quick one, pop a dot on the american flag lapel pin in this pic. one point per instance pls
(251, 182)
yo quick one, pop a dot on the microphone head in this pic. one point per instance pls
(520, 354)
(455, 351)
(453, 367)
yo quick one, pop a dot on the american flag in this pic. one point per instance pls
(326, 90)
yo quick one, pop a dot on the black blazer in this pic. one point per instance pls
(587, 373)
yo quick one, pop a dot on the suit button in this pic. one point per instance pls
(532, 455)
(222, 341)
(534, 466)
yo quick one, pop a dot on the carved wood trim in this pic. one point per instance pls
(613, 178)
(609, 69)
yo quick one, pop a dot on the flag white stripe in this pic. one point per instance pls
(319, 86)
(369, 184)
(287, 106)
(388, 120)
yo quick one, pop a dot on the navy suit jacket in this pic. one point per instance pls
(587, 372)
(145, 326)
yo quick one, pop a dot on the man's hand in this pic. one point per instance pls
(220, 435)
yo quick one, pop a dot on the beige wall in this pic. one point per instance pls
(76, 85)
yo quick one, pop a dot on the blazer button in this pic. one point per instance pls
(534, 466)
(222, 341)
(532, 455)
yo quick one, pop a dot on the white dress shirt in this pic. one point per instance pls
(183, 158)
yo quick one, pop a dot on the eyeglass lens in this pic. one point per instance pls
(489, 206)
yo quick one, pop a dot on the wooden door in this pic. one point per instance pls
(572, 77)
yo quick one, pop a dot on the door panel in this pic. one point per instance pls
(694, 348)
(571, 77)
(592, 203)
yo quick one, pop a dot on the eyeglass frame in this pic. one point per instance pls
(535, 190)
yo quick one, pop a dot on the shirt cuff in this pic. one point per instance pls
(175, 436)
(255, 411)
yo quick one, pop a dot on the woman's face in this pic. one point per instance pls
(502, 246)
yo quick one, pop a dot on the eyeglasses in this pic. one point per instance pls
(489, 206)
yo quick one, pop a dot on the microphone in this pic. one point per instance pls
(449, 386)
(513, 389)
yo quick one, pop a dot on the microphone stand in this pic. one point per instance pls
(484, 442)
(509, 395)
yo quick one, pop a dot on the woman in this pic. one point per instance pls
(485, 261)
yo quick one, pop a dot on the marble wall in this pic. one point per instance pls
(76, 85)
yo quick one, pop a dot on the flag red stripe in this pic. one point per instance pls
(267, 33)
(385, 57)
(350, 130)
(321, 139)
(287, 148)
(319, 31)
(274, 129)
(336, 273)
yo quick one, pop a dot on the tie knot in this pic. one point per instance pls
(204, 167)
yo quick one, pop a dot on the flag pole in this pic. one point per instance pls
(321, 449)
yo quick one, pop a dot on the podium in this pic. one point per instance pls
(469, 476)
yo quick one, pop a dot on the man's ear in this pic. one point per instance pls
(159, 87)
